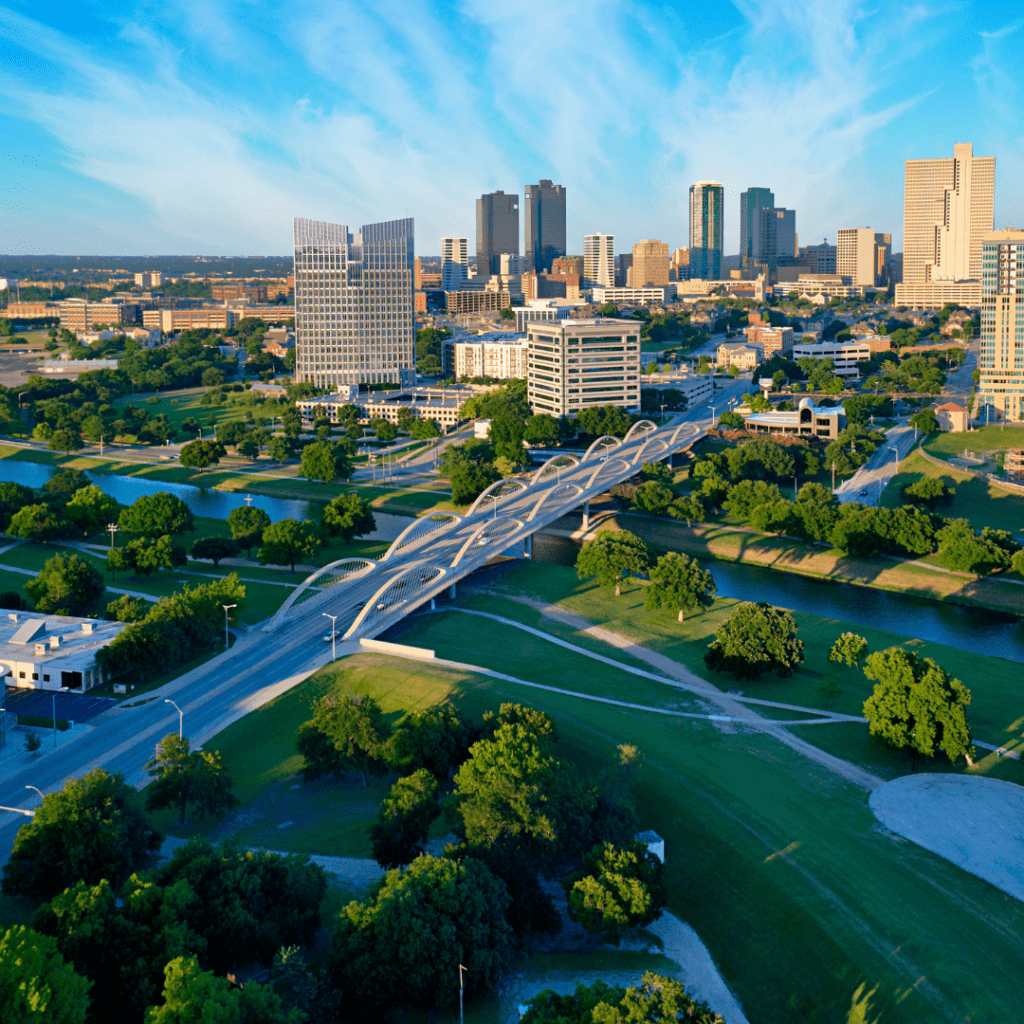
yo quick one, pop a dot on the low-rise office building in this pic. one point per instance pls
(47, 653)
(634, 296)
(696, 389)
(936, 294)
(31, 311)
(539, 310)
(574, 364)
(82, 315)
(807, 419)
(493, 355)
(170, 321)
(740, 354)
(845, 355)
(441, 404)
(471, 301)
(774, 340)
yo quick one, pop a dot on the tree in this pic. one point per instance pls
(611, 557)
(468, 480)
(424, 428)
(730, 421)
(688, 507)
(214, 548)
(91, 510)
(155, 514)
(756, 638)
(13, 497)
(325, 461)
(88, 830)
(249, 448)
(35, 523)
(66, 585)
(961, 549)
(653, 497)
(849, 648)
(192, 996)
(287, 541)
(65, 440)
(403, 821)
(279, 449)
(59, 489)
(348, 516)
(542, 429)
(403, 945)
(1017, 562)
(344, 734)
(247, 524)
(36, 985)
(184, 776)
(926, 421)
(930, 492)
(200, 454)
(617, 889)
(146, 556)
(916, 706)
(128, 609)
(656, 999)
(679, 583)
(437, 739)
(384, 430)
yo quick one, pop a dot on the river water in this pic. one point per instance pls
(971, 629)
(201, 500)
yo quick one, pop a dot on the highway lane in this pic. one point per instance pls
(867, 484)
(261, 664)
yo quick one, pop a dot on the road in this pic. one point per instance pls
(867, 484)
(263, 664)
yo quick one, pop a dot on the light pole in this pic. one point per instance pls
(334, 634)
(226, 607)
(461, 969)
(39, 791)
(893, 448)
(181, 715)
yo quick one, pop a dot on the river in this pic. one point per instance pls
(203, 501)
(971, 629)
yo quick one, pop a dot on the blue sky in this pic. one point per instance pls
(166, 127)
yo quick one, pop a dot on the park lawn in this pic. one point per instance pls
(776, 862)
(14, 582)
(980, 502)
(945, 444)
(185, 404)
(996, 711)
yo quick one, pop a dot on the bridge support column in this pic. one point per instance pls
(451, 592)
(528, 546)
(586, 514)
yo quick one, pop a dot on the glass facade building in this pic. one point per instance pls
(354, 320)
(1001, 358)
(707, 200)
(497, 231)
(544, 227)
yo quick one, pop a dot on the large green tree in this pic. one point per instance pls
(345, 734)
(214, 548)
(183, 776)
(348, 516)
(66, 585)
(90, 829)
(36, 985)
(849, 648)
(403, 820)
(961, 549)
(470, 479)
(679, 583)
(247, 524)
(91, 510)
(611, 557)
(618, 888)
(326, 461)
(916, 706)
(36, 523)
(288, 541)
(403, 944)
(155, 514)
(200, 454)
(756, 638)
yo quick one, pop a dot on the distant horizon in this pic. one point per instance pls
(141, 132)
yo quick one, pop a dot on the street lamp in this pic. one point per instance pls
(334, 634)
(181, 715)
(39, 791)
(226, 607)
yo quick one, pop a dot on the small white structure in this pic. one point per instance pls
(655, 844)
(482, 429)
(53, 652)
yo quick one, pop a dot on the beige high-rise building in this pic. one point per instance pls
(1001, 356)
(947, 211)
(855, 256)
(650, 264)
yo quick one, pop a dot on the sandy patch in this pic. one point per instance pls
(976, 823)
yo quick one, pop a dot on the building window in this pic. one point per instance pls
(35, 675)
(46, 678)
(21, 675)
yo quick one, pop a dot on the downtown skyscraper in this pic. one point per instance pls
(598, 260)
(497, 230)
(707, 206)
(354, 320)
(544, 225)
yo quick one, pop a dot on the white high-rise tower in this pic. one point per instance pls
(454, 263)
(598, 261)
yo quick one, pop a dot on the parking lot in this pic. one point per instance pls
(74, 707)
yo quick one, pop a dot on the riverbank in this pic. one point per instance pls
(743, 545)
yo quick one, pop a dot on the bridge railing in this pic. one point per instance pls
(402, 593)
(345, 570)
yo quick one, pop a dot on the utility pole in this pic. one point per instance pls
(461, 969)
(833, 476)
(112, 528)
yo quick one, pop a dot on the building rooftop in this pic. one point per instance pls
(26, 636)
(951, 407)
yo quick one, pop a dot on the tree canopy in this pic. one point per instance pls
(679, 583)
(288, 541)
(348, 516)
(756, 638)
(611, 557)
(66, 585)
(247, 524)
(403, 820)
(36, 985)
(156, 514)
(183, 776)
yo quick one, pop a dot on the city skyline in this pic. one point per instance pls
(137, 132)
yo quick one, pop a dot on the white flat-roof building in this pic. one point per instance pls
(935, 294)
(634, 296)
(540, 309)
(574, 364)
(696, 389)
(845, 355)
(806, 419)
(76, 366)
(53, 651)
(495, 355)
(441, 404)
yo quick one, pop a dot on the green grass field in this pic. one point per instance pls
(985, 439)
(978, 501)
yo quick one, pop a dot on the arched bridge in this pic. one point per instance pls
(367, 596)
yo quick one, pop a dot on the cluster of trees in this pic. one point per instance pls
(116, 939)
(428, 350)
(186, 363)
(66, 506)
(519, 811)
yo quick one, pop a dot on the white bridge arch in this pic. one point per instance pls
(419, 530)
(403, 590)
(603, 443)
(318, 583)
(504, 488)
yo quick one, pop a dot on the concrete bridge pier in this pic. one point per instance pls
(451, 592)
(586, 514)
(528, 546)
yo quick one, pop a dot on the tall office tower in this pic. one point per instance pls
(497, 230)
(883, 250)
(773, 236)
(454, 263)
(354, 303)
(544, 224)
(1001, 359)
(650, 264)
(623, 265)
(707, 200)
(751, 201)
(598, 261)
(821, 258)
(947, 210)
(855, 255)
